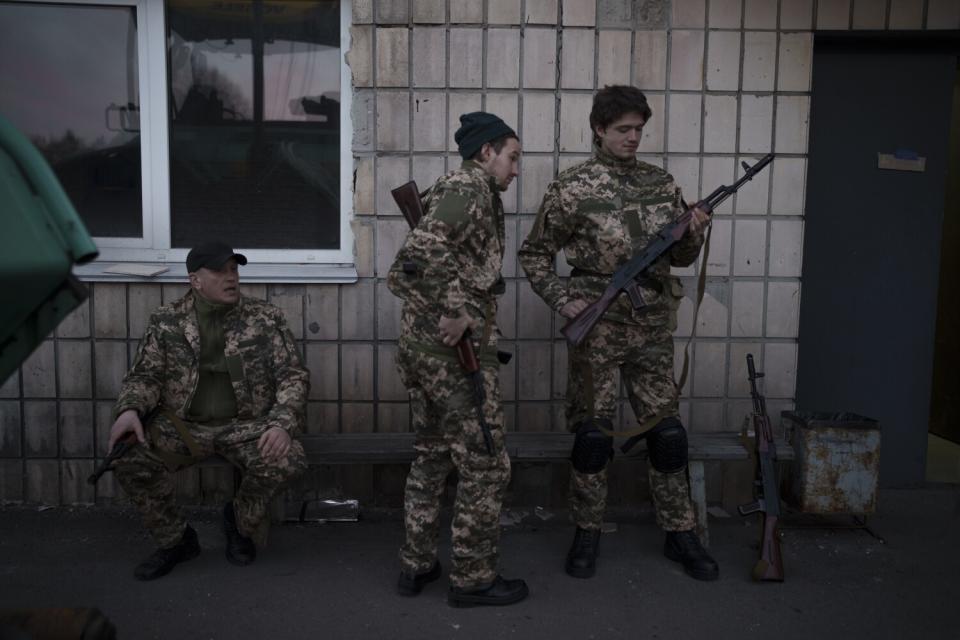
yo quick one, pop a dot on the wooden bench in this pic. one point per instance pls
(397, 448)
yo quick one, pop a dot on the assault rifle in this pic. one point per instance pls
(625, 278)
(407, 198)
(120, 448)
(766, 487)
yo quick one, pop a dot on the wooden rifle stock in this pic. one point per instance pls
(407, 197)
(625, 277)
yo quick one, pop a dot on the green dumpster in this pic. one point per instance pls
(41, 238)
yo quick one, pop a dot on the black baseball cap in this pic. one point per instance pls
(212, 255)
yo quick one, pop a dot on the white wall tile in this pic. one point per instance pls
(724, 14)
(576, 60)
(683, 133)
(796, 14)
(747, 312)
(429, 112)
(686, 60)
(793, 124)
(833, 14)
(869, 14)
(466, 50)
(759, 60)
(503, 58)
(539, 116)
(906, 14)
(709, 371)
(943, 14)
(760, 14)
(688, 14)
(796, 60)
(780, 369)
(786, 248)
(577, 13)
(503, 11)
(540, 59)
(429, 56)
(749, 247)
(574, 122)
(650, 60)
(393, 57)
(613, 55)
(783, 309)
(723, 60)
(720, 124)
(756, 123)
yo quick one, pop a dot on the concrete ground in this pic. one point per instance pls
(337, 580)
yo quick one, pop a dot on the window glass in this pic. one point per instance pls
(69, 82)
(254, 108)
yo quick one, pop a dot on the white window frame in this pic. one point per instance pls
(266, 265)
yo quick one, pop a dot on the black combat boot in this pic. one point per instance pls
(499, 592)
(582, 557)
(685, 547)
(162, 561)
(240, 549)
(410, 584)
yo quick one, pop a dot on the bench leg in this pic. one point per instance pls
(698, 494)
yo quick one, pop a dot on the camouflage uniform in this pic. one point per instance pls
(601, 212)
(270, 386)
(457, 249)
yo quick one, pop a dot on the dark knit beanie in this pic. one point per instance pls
(478, 128)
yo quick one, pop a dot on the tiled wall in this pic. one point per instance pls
(728, 80)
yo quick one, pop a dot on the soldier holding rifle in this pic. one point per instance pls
(446, 272)
(600, 213)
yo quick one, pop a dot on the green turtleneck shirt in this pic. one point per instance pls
(214, 399)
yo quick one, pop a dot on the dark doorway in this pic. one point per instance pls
(872, 236)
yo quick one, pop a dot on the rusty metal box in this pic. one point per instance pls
(836, 461)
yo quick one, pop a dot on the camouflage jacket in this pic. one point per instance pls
(457, 249)
(601, 212)
(268, 377)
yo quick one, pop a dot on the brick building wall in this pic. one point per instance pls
(728, 80)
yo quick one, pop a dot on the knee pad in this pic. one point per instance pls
(592, 448)
(667, 446)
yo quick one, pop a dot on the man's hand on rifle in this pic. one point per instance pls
(127, 422)
(573, 308)
(451, 329)
(699, 220)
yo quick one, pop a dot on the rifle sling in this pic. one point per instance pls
(172, 460)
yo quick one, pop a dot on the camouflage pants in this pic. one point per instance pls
(644, 359)
(145, 475)
(449, 437)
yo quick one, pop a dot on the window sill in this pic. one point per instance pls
(260, 272)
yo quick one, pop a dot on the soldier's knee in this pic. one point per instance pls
(667, 446)
(592, 448)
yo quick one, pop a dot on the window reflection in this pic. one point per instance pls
(255, 116)
(69, 81)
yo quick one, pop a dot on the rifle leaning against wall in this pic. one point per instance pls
(625, 278)
(407, 198)
(766, 487)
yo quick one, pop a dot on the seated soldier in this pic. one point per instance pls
(218, 373)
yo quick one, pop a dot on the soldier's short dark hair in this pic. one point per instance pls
(496, 143)
(615, 101)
